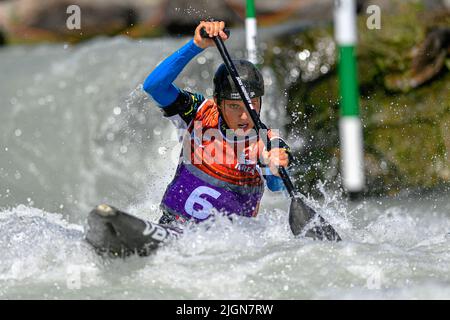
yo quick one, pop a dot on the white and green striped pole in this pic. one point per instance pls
(251, 31)
(350, 127)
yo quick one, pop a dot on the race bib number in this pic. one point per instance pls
(195, 201)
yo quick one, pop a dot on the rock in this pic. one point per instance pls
(183, 16)
(29, 20)
(95, 19)
(279, 11)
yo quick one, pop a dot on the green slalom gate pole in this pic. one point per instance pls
(251, 32)
(350, 127)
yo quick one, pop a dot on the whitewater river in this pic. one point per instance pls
(77, 130)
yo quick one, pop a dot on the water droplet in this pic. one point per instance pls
(162, 150)
(324, 69)
(117, 111)
(201, 60)
(110, 136)
(205, 74)
(18, 132)
(91, 89)
(111, 120)
(191, 82)
(295, 73)
(276, 50)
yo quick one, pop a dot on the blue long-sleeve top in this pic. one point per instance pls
(159, 84)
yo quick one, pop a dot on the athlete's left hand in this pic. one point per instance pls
(275, 158)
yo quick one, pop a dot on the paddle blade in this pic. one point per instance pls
(302, 216)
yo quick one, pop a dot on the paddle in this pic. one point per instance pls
(301, 216)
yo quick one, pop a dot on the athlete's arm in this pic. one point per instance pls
(178, 104)
(274, 182)
(159, 84)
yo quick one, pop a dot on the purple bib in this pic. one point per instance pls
(195, 195)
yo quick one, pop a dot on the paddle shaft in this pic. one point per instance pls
(248, 104)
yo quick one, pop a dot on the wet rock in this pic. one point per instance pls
(279, 11)
(95, 19)
(428, 59)
(46, 20)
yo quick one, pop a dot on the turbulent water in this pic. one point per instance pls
(77, 130)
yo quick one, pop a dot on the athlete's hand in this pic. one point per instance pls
(214, 28)
(275, 158)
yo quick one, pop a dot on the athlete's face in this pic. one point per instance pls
(236, 116)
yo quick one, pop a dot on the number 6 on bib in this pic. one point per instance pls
(195, 198)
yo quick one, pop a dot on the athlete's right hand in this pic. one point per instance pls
(214, 28)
